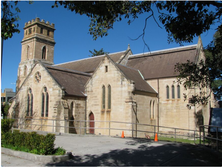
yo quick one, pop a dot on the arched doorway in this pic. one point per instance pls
(71, 120)
(91, 123)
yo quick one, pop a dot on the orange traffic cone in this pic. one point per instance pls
(122, 134)
(156, 138)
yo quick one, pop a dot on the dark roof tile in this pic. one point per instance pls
(72, 81)
(161, 64)
(134, 75)
(89, 64)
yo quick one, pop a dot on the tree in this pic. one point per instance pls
(4, 109)
(206, 74)
(181, 19)
(9, 19)
(97, 52)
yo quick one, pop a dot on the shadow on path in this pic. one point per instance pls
(167, 154)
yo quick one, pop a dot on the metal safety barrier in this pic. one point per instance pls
(211, 136)
(112, 128)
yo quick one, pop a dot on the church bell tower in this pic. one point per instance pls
(37, 45)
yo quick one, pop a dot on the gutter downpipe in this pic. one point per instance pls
(85, 113)
(158, 109)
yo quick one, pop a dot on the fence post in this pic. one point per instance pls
(41, 124)
(175, 135)
(194, 136)
(204, 135)
(53, 128)
(217, 137)
(154, 131)
(132, 130)
(109, 128)
(200, 134)
(80, 127)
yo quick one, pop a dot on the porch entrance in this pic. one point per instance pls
(91, 123)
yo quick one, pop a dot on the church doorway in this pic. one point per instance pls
(71, 120)
(91, 123)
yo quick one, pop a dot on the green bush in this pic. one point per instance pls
(59, 151)
(31, 142)
(6, 125)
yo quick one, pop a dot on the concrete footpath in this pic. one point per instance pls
(89, 150)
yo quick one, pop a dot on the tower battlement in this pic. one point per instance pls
(42, 22)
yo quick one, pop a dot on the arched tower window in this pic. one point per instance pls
(103, 97)
(28, 49)
(29, 103)
(45, 103)
(25, 70)
(109, 97)
(153, 114)
(167, 92)
(173, 92)
(44, 53)
(178, 91)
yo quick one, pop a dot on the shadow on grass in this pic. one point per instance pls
(167, 154)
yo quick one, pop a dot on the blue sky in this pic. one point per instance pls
(73, 40)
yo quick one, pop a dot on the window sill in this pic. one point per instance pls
(28, 117)
(108, 110)
(44, 117)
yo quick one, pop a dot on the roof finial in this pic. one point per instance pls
(128, 47)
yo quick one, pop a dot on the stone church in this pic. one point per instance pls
(119, 91)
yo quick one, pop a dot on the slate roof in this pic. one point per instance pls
(160, 64)
(152, 65)
(72, 81)
(88, 65)
(140, 83)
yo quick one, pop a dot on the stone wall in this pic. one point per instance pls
(121, 89)
(145, 112)
(174, 112)
(53, 89)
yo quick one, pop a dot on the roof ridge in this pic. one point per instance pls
(127, 67)
(160, 51)
(68, 70)
(88, 58)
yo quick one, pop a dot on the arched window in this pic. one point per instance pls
(45, 103)
(178, 91)
(167, 92)
(109, 97)
(153, 110)
(151, 116)
(44, 53)
(25, 70)
(103, 97)
(28, 52)
(41, 30)
(30, 30)
(173, 92)
(29, 103)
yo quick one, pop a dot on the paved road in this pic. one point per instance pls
(7, 160)
(111, 151)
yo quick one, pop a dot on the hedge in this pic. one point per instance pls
(29, 142)
(6, 125)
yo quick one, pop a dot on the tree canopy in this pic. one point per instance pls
(97, 52)
(206, 74)
(9, 19)
(182, 20)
